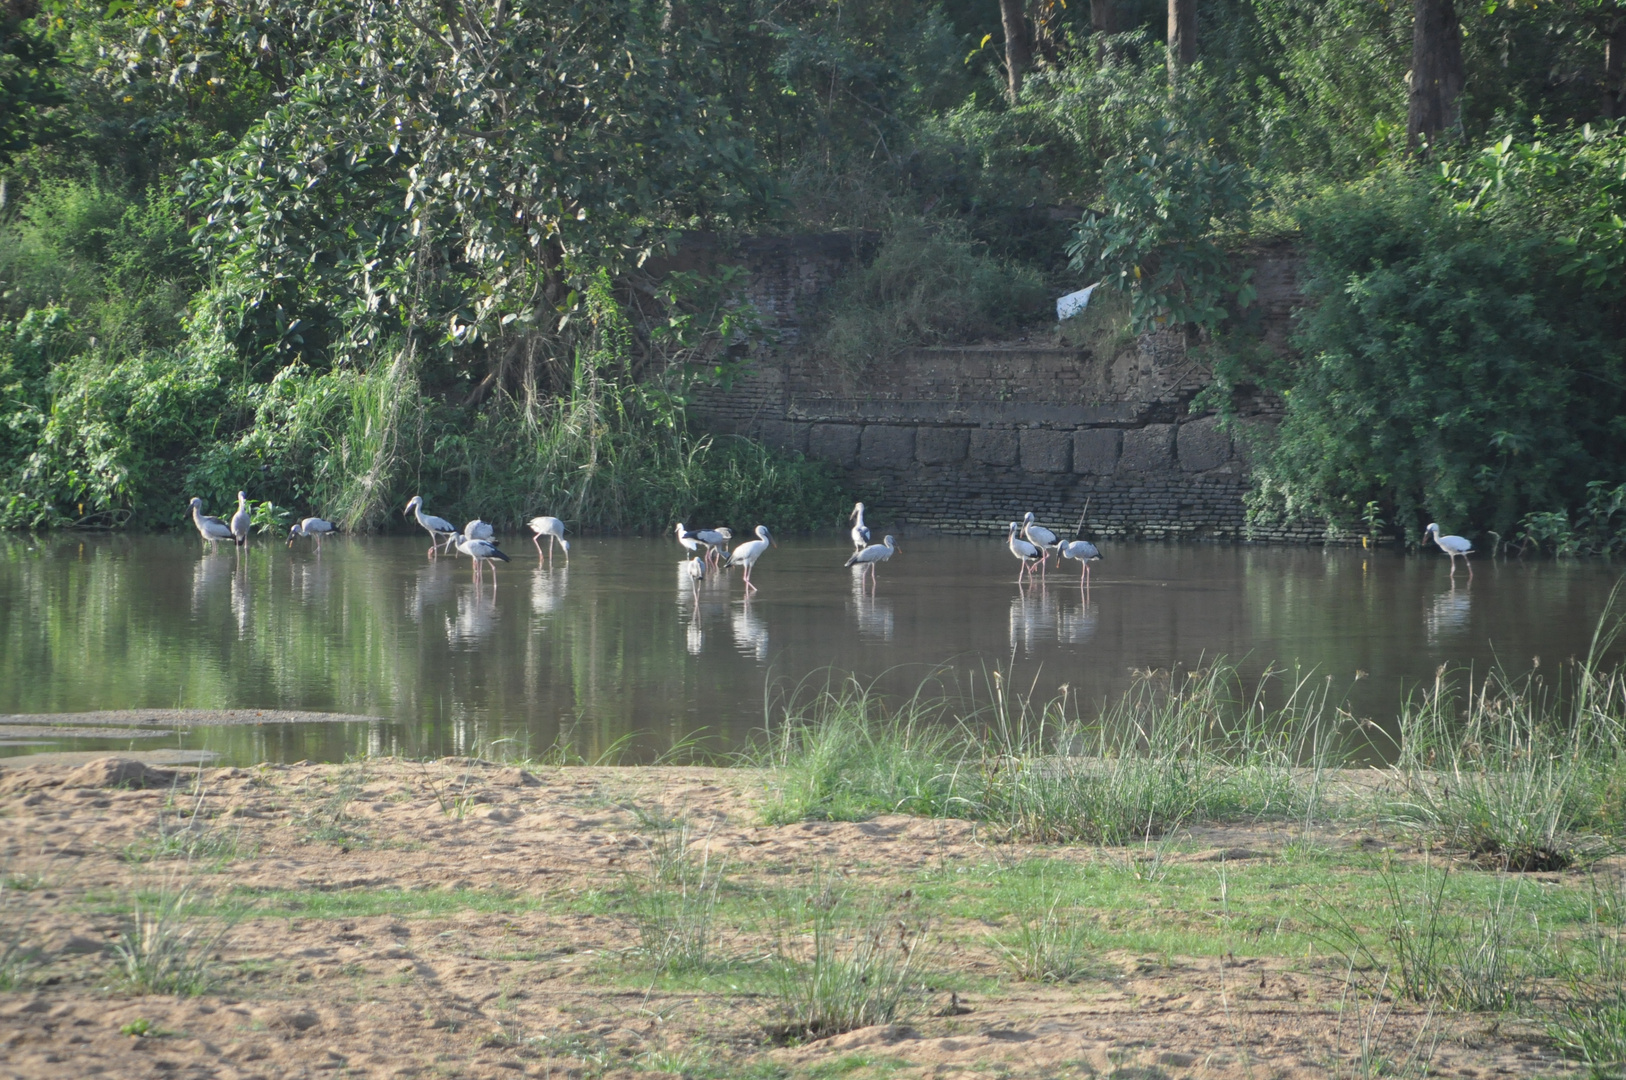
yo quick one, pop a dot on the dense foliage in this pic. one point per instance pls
(340, 251)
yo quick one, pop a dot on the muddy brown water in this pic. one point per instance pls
(616, 647)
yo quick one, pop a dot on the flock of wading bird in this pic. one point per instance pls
(1030, 542)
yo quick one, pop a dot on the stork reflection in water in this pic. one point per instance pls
(1033, 619)
(548, 587)
(874, 616)
(1448, 614)
(750, 632)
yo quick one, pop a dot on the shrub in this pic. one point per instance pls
(928, 284)
(1450, 371)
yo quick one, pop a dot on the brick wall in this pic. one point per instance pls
(966, 439)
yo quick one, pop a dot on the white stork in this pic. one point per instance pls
(1040, 537)
(435, 526)
(554, 530)
(870, 557)
(314, 527)
(1452, 546)
(691, 541)
(717, 539)
(1028, 553)
(212, 529)
(240, 520)
(481, 551)
(748, 553)
(1085, 552)
(860, 532)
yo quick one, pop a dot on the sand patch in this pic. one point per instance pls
(463, 918)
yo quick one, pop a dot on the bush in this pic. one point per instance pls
(1450, 371)
(928, 285)
(1166, 199)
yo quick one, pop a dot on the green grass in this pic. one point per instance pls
(1051, 941)
(1515, 775)
(17, 953)
(676, 899)
(1173, 750)
(167, 948)
(362, 903)
(842, 964)
(1589, 1023)
(192, 840)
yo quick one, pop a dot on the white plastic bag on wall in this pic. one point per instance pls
(1073, 303)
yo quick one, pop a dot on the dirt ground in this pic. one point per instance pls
(506, 965)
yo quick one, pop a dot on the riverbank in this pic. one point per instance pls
(459, 917)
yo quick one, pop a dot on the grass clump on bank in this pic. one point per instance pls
(1514, 773)
(675, 899)
(1518, 774)
(843, 965)
(1174, 749)
(167, 947)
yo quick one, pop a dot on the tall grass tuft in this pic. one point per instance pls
(851, 967)
(1050, 944)
(167, 950)
(1430, 948)
(842, 754)
(1516, 776)
(1589, 1024)
(676, 900)
(17, 954)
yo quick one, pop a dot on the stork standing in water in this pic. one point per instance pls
(481, 551)
(716, 539)
(436, 527)
(1085, 552)
(871, 557)
(1040, 537)
(692, 543)
(240, 521)
(212, 529)
(554, 530)
(313, 527)
(1022, 549)
(695, 568)
(748, 553)
(860, 533)
(1452, 546)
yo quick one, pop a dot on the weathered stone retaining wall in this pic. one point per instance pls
(966, 439)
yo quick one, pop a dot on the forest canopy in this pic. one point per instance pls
(342, 251)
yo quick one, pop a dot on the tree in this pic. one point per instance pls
(1611, 23)
(452, 174)
(1182, 44)
(1107, 17)
(1018, 52)
(28, 84)
(1436, 71)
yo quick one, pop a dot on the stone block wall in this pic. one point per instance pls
(966, 439)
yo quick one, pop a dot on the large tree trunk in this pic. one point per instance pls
(1614, 68)
(1182, 36)
(1106, 17)
(1018, 52)
(1436, 71)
